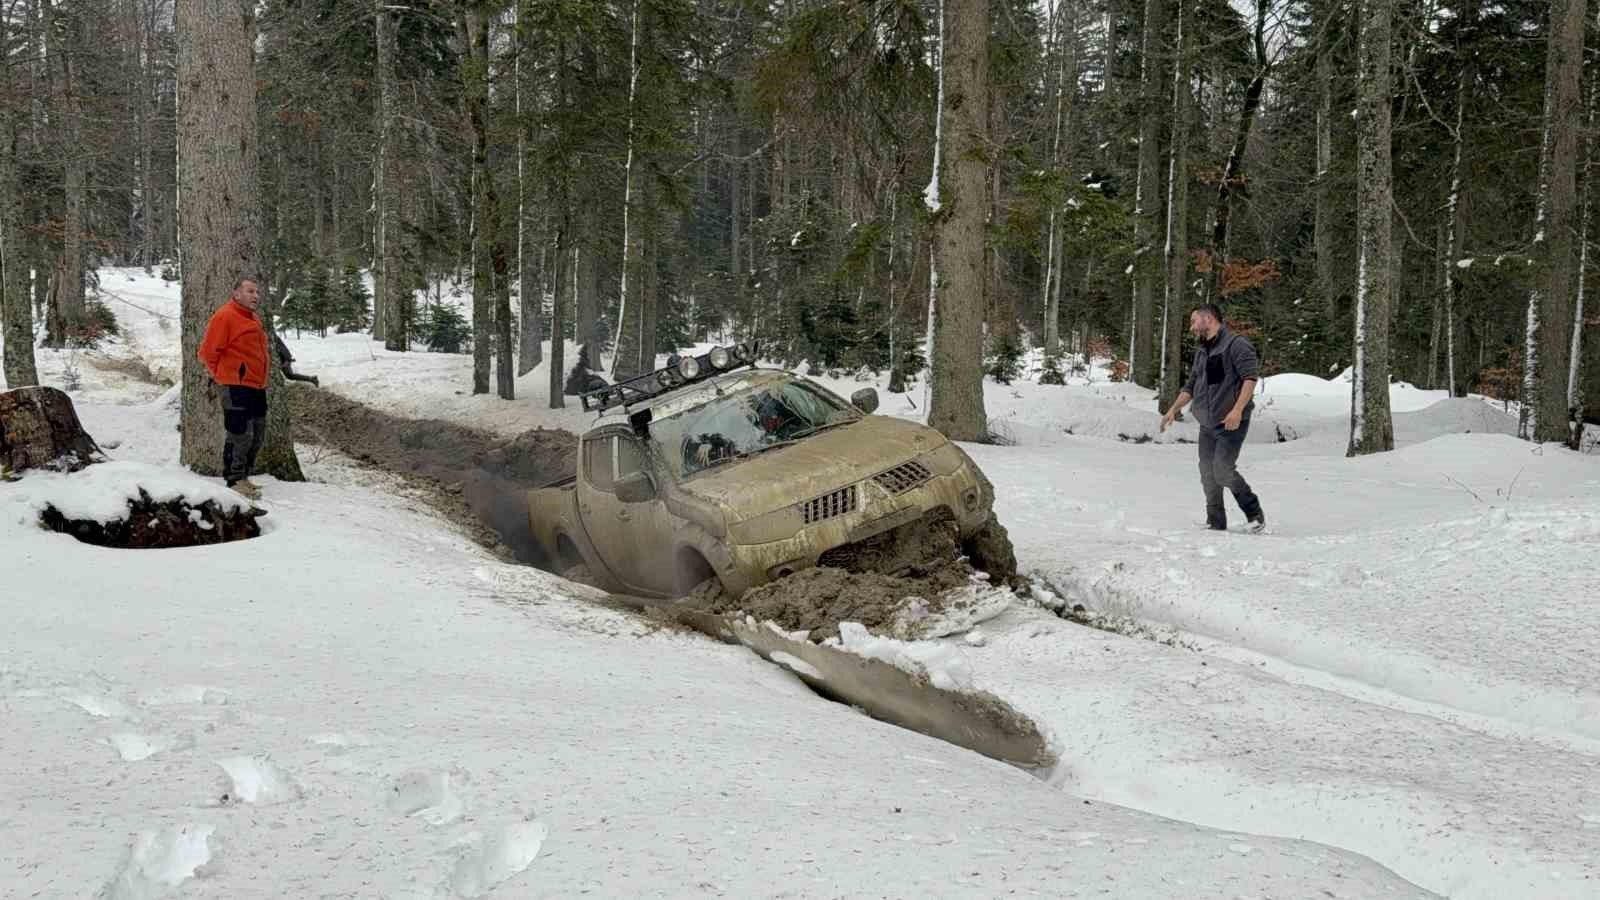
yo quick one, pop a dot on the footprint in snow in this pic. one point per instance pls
(183, 693)
(100, 707)
(255, 780)
(159, 861)
(426, 794)
(488, 860)
(132, 746)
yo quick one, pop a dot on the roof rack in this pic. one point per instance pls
(688, 370)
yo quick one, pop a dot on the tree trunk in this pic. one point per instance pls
(959, 205)
(586, 328)
(1371, 426)
(1545, 370)
(396, 284)
(1575, 399)
(530, 292)
(1065, 25)
(68, 111)
(381, 203)
(1454, 208)
(39, 429)
(560, 279)
(1233, 172)
(219, 217)
(1143, 364)
(1174, 313)
(16, 304)
(1327, 278)
(629, 320)
(475, 27)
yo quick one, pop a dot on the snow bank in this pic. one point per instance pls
(103, 492)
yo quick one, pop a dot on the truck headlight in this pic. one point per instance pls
(947, 459)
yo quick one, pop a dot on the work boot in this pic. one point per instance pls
(247, 488)
(1258, 523)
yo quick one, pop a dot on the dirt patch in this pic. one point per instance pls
(904, 583)
(150, 525)
(475, 479)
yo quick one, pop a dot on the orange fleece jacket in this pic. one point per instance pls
(234, 350)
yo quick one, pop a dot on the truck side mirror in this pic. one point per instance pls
(635, 487)
(865, 400)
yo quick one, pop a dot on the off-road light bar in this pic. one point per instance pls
(689, 370)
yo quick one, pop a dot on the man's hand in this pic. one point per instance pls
(702, 454)
(1170, 417)
(1231, 420)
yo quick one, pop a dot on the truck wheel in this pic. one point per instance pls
(581, 574)
(693, 571)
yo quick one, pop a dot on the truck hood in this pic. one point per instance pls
(813, 466)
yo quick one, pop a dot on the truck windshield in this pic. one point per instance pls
(744, 424)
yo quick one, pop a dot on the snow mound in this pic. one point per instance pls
(506, 852)
(103, 492)
(1297, 384)
(1454, 416)
(160, 861)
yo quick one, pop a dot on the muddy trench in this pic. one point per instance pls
(475, 479)
(907, 584)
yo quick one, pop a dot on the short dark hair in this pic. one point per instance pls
(242, 279)
(1212, 308)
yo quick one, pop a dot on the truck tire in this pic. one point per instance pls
(581, 574)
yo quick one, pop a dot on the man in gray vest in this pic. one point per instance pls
(1221, 384)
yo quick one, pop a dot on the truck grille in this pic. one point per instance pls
(829, 505)
(903, 477)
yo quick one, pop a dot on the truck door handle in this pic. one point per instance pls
(623, 515)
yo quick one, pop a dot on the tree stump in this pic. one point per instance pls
(39, 429)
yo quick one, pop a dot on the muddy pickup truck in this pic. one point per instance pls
(714, 467)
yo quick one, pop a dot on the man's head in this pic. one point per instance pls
(1205, 321)
(246, 294)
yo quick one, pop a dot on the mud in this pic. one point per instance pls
(475, 479)
(918, 572)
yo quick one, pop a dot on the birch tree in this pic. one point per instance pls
(1455, 217)
(1550, 303)
(1064, 30)
(630, 317)
(219, 210)
(956, 198)
(1371, 425)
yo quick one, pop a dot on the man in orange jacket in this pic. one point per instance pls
(234, 351)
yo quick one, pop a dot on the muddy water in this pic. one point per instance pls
(476, 479)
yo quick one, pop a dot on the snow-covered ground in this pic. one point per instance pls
(1396, 682)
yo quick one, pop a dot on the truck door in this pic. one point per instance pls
(631, 539)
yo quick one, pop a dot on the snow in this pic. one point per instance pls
(102, 492)
(945, 666)
(1392, 691)
(1464, 263)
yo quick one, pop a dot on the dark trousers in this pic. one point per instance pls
(1219, 468)
(244, 417)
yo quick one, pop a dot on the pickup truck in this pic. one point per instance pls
(715, 468)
